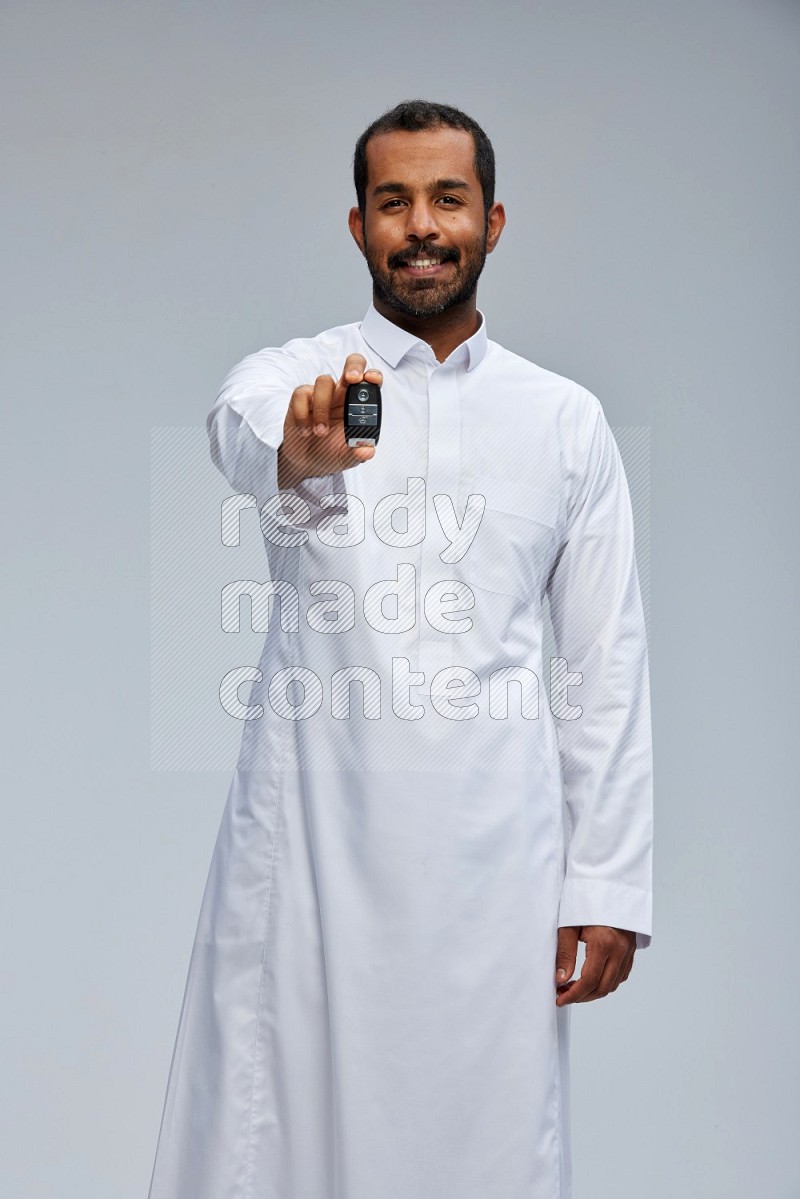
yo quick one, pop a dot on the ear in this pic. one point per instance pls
(356, 223)
(497, 220)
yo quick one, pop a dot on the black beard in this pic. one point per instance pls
(413, 304)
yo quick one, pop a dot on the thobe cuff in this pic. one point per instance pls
(618, 905)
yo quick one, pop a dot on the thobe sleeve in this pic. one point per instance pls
(606, 752)
(245, 425)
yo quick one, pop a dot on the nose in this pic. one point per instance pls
(421, 221)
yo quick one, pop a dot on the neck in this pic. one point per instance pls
(442, 333)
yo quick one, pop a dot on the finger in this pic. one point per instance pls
(627, 966)
(347, 456)
(629, 953)
(591, 973)
(621, 975)
(566, 953)
(563, 992)
(354, 367)
(578, 989)
(298, 416)
(321, 402)
(356, 454)
(608, 981)
(617, 968)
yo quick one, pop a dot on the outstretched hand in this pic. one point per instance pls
(313, 431)
(609, 958)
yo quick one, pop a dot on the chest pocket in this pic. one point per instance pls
(513, 550)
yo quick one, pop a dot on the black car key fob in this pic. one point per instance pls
(362, 414)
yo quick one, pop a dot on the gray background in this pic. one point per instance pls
(177, 179)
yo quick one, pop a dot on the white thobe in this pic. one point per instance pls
(370, 1006)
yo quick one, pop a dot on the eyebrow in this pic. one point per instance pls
(438, 185)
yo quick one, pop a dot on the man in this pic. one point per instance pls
(379, 994)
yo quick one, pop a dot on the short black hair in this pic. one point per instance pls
(413, 116)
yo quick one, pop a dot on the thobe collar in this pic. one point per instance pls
(393, 343)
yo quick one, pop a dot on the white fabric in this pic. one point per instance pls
(370, 1007)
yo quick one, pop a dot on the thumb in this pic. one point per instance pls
(566, 953)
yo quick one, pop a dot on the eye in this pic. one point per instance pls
(454, 199)
(390, 203)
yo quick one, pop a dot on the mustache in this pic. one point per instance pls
(423, 251)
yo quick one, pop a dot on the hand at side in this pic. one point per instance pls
(609, 958)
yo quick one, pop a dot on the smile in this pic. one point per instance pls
(423, 266)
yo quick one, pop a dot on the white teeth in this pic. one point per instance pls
(422, 262)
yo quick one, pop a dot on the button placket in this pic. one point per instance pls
(436, 649)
